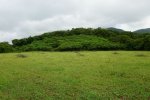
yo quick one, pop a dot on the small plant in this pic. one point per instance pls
(21, 56)
(115, 53)
(141, 55)
(118, 74)
(78, 53)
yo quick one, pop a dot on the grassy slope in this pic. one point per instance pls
(73, 75)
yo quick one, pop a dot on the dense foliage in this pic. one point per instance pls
(81, 39)
(5, 47)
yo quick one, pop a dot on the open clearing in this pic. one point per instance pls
(75, 75)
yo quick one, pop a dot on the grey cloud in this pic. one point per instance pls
(23, 18)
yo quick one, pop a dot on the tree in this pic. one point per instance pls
(5, 47)
(147, 42)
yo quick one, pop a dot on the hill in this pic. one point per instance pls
(147, 30)
(80, 39)
(71, 43)
(115, 29)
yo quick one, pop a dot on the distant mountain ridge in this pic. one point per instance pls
(146, 30)
(115, 29)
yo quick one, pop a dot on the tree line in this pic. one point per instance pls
(80, 39)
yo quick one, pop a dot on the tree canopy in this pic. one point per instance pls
(80, 39)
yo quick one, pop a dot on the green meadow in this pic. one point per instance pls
(86, 75)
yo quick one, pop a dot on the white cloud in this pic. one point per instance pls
(22, 18)
(6, 36)
(143, 23)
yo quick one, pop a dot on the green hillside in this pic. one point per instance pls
(80, 39)
(115, 29)
(147, 30)
(71, 43)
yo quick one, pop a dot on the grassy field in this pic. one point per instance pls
(93, 75)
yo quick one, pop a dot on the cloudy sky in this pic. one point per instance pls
(23, 18)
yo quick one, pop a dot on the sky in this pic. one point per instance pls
(24, 18)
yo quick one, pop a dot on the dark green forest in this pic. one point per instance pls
(78, 39)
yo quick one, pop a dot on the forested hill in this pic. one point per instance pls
(147, 30)
(115, 29)
(80, 39)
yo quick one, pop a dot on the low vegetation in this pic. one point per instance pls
(110, 75)
(21, 56)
